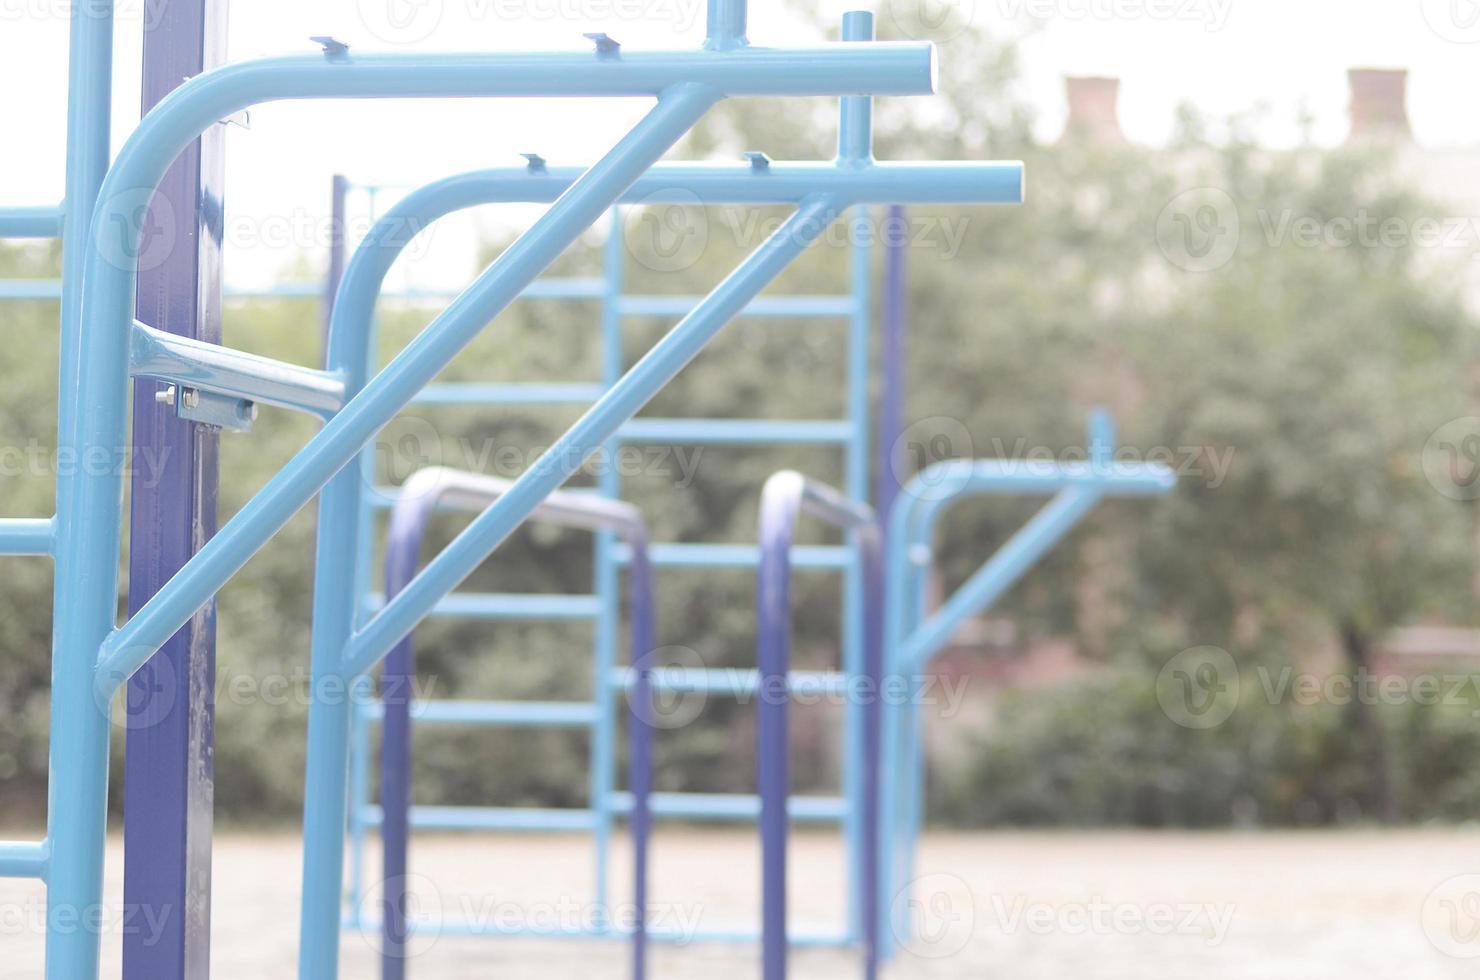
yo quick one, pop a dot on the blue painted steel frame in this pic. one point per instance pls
(912, 638)
(93, 656)
(785, 497)
(422, 495)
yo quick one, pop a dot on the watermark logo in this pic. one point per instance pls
(1199, 687)
(401, 21)
(1453, 20)
(1100, 917)
(677, 692)
(137, 230)
(931, 20)
(934, 916)
(922, 445)
(668, 231)
(411, 905)
(1451, 917)
(1451, 458)
(1199, 230)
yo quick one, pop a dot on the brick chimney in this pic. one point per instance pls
(1092, 109)
(1379, 103)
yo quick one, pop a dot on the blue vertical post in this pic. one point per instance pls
(607, 586)
(168, 782)
(892, 368)
(855, 148)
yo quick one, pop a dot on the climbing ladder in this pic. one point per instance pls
(610, 679)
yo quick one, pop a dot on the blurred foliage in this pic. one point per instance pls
(1315, 375)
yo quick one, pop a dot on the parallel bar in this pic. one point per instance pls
(785, 497)
(211, 367)
(31, 222)
(469, 393)
(738, 432)
(26, 535)
(513, 714)
(677, 936)
(506, 605)
(23, 859)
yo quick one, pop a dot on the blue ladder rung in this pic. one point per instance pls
(513, 714)
(507, 605)
(15, 289)
(736, 682)
(467, 393)
(732, 806)
(737, 431)
(768, 306)
(492, 818)
(681, 555)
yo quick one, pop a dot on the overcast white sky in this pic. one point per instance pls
(1222, 55)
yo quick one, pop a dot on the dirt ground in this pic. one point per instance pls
(1312, 906)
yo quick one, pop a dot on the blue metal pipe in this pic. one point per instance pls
(24, 859)
(32, 222)
(342, 437)
(785, 496)
(211, 367)
(26, 535)
(439, 488)
(564, 457)
(737, 432)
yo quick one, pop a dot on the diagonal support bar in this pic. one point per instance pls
(622, 401)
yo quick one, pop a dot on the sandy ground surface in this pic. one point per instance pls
(1385, 906)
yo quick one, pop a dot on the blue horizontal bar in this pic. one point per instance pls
(467, 393)
(508, 605)
(737, 682)
(44, 222)
(515, 714)
(737, 431)
(766, 306)
(491, 818)
(738, 935)
(19, 289)
(727, 807)
(23, 859)
(25, 535)
(679, 555)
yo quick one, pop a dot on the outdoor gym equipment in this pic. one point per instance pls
(421, 496)
(786, 496)
(93, 656)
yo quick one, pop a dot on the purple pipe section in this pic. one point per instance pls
(168, 786)
(786, 496)
(425, 493)
(892, 368)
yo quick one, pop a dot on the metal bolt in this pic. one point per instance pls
(165, 397)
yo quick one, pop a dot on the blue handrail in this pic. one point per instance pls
(785, 497)
(422, 495)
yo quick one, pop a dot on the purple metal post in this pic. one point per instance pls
(786, 495)
(168, 780)
(422, 495)
(892, 366)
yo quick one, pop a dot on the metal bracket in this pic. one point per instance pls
(209, 408)
(606, 46)
(536, 162)
(334, 50)
(759, 162)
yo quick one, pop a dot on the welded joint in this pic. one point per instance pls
(535, 164)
